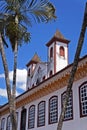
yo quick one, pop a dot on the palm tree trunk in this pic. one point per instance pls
(11, 97)
(8, 87)
(74, 68)
(5, 68)
(14, 123)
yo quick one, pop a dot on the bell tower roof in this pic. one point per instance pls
(35, 59)
(58, 37)
(58, 34)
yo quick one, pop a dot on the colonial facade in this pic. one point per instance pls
(39, 107)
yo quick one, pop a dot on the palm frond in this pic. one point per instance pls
(4, 41)
(2, 27)
(42, 10)
(31, 3)
(22, 2)
(24, 19)
(16, 32)
(25, 11)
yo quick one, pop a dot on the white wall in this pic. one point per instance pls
(76, 124)
(61, 62)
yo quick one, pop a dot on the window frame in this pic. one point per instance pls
(44, 77)
(17, 118)
(51, 52)
(80, 106)
(29, 72)
(62, 51)
(29, 119)
(8, 127)
(51, 73)
(38, 116)
(2, 126)
(49, 119)
(71, 118)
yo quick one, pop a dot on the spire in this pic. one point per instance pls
(35, 59)
(58, 35)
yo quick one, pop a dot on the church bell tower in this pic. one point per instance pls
(57, 53)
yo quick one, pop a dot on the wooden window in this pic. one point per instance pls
(53, 109)
(69, 109)
(41, 114)
(31, 118)
(83, 99)
(51, 52)
(62, 52)
(23, 119)
(9, 125)
(2, 123)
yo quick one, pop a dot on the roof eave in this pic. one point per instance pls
(57, 39)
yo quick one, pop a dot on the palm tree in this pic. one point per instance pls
(2, 51)
(19, 14)
(5, 22)
(74, 68)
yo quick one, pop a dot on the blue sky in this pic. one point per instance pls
(69, 22)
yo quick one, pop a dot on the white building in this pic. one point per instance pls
(39, 107)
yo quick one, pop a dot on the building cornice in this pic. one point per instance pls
(57, 39)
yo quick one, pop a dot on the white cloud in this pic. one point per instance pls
(17, 94)
(2, 76)
(21, 78)
(20, 81)
(21, 75)
(3, 92)
(22, 86)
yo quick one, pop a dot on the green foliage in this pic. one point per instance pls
(18, 33)
(25, 11)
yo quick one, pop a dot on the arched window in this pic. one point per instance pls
(2, 123)
(51, 73)
(51, 52)
(38, 81)
(44, 77)
(53, 109)
(31, 117)
(9, 125)
(29, 72)
(39, 70)
(33, 85)
(83, 99)
(17, 118)
(23, 119)
(41, 114)
(69, 109)
(62, 51)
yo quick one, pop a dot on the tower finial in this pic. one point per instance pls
(58, 35)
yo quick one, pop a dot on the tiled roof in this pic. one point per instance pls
(58, 35)
(35, 59)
